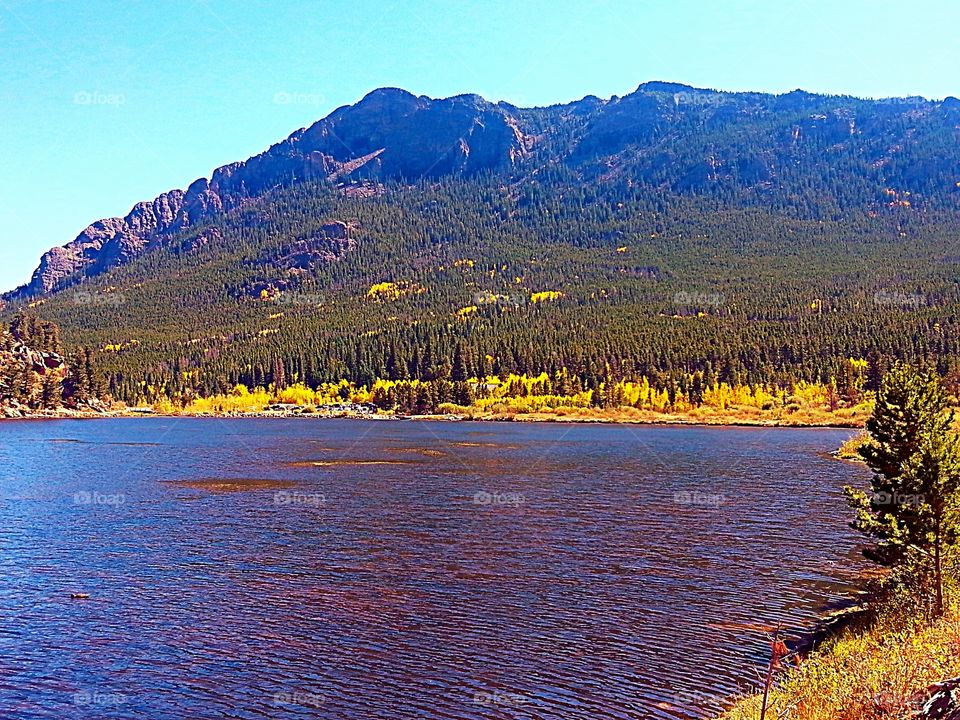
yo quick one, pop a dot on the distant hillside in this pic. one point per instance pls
(686, 236)
(816, 155)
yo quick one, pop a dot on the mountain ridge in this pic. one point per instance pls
(392, 135)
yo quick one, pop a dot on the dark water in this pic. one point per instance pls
(347, 569)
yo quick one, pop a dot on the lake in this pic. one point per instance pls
(260, 568)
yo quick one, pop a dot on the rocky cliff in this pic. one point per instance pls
(25, 376)
(389, 134)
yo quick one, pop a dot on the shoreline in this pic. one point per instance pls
(838, 617)
(559, 418)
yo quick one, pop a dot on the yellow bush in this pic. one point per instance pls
(297, 395)
(393, 291)
(545, 296)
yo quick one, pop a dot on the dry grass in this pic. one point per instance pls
(874, 672)
(736, 415)
(850, 450)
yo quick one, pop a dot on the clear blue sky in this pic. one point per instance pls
(103, 104)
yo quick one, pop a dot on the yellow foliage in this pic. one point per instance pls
(810, 394)
(164, 406)
(297, 395)
(464, 311)
(117, 347)
(545, 296)
(565, 395)
(393, 291)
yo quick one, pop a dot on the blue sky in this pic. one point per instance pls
(103, 104)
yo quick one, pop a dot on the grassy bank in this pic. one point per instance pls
(808, 417)
(878, 668)
(850, 450)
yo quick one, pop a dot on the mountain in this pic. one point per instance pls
(663, 134)
(684, 236)
(388, 134)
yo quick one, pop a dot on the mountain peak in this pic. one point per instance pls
(388, 93)
(666, 87)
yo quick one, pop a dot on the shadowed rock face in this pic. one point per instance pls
(942, 703)
(329, 244)
(664, 134)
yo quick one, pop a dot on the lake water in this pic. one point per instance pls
(348, 569)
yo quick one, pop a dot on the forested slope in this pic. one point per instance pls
(688, 237)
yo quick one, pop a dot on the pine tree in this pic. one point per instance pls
(912, 509)
(458, 373)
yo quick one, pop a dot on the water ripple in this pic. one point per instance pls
(248, 569)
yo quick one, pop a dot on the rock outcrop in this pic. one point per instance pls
(943, 702)
(329, 244)
(23, 370)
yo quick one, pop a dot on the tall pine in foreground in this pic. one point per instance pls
(912, 509)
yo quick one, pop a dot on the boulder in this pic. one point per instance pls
(943, 702)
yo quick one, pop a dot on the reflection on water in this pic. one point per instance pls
(349, 569)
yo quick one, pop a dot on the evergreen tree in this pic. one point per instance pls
(911, 512)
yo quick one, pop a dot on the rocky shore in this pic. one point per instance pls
(19, 412)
